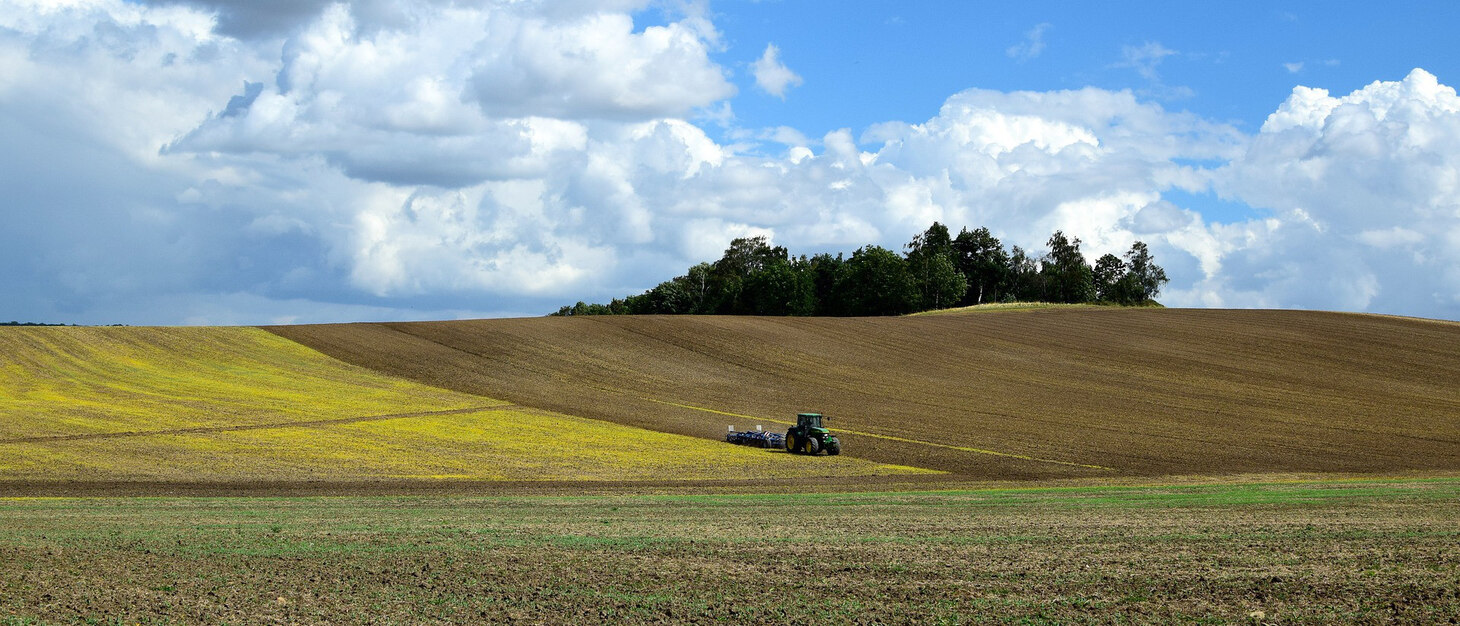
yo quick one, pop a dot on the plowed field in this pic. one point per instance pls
(1012, 395)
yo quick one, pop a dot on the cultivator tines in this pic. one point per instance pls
(757, 438)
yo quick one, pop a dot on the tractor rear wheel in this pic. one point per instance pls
(790, 443)
(813, 446)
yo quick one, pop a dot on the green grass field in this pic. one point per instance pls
(1298, 552)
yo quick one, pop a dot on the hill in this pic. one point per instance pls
(1036, 393)
(240, 405)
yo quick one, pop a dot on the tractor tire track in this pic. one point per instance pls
(268, 426)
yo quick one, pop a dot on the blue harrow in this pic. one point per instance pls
(757, 438)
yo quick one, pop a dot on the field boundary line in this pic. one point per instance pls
(899, 439)
(225, 429)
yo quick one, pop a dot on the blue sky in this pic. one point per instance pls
(876, 61)
(274, 161)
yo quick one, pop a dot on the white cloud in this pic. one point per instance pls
(594, 67)
(1293, 68)
(1378, 167)
(771, 75)
(383, 159)
(1145, 58)
(1031, 46)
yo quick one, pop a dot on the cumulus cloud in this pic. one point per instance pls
(771, 75)
(1372, 182)
(409, 160)
(594, 66)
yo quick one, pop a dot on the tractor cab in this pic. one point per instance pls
(808, 420)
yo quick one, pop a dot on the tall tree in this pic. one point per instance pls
(824, 270)
(939, 284)
(1109, 272)
(981, 258)
(745, 256)
(1026, 281)
(699, 285)
(1068, 278)
(779, 288)
(930, 261)
(1144, 277)
(875, 281)
(934, 240)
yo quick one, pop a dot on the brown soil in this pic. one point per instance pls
(1019, 395)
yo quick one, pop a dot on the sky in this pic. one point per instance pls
(291, 161)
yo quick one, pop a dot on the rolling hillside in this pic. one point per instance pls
(230, 405)
(1019, 394)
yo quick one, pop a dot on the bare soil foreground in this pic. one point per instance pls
(1057, 393)
(1316, 552)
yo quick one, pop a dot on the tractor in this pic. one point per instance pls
(808, 436)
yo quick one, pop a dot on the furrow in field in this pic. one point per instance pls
(261, 426)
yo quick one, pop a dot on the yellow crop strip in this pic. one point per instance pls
(66, 381)
(221, 404)
(892, 438)
(501, 444)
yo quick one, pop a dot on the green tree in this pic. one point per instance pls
(933, 241)
(745, 256)
(981, 258)
(1143, 277)
(930, 261)
(1026, 281)
(1067, 277)
(875, 281)
(940, 285)
(1109, 272)
(700, 286)
(667, 298)
(823, 270)
(779, 288)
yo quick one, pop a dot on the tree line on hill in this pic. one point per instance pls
(936, 271)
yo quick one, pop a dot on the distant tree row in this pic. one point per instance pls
(936, 271)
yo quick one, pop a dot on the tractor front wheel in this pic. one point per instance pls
(833, 448)
(813, 446)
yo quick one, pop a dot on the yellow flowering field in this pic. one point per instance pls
(225, 404)
(79, 380)
(503, 444)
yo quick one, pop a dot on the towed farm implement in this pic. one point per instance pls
(806, 437)
(758, 438)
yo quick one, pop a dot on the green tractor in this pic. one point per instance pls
(808, 436)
